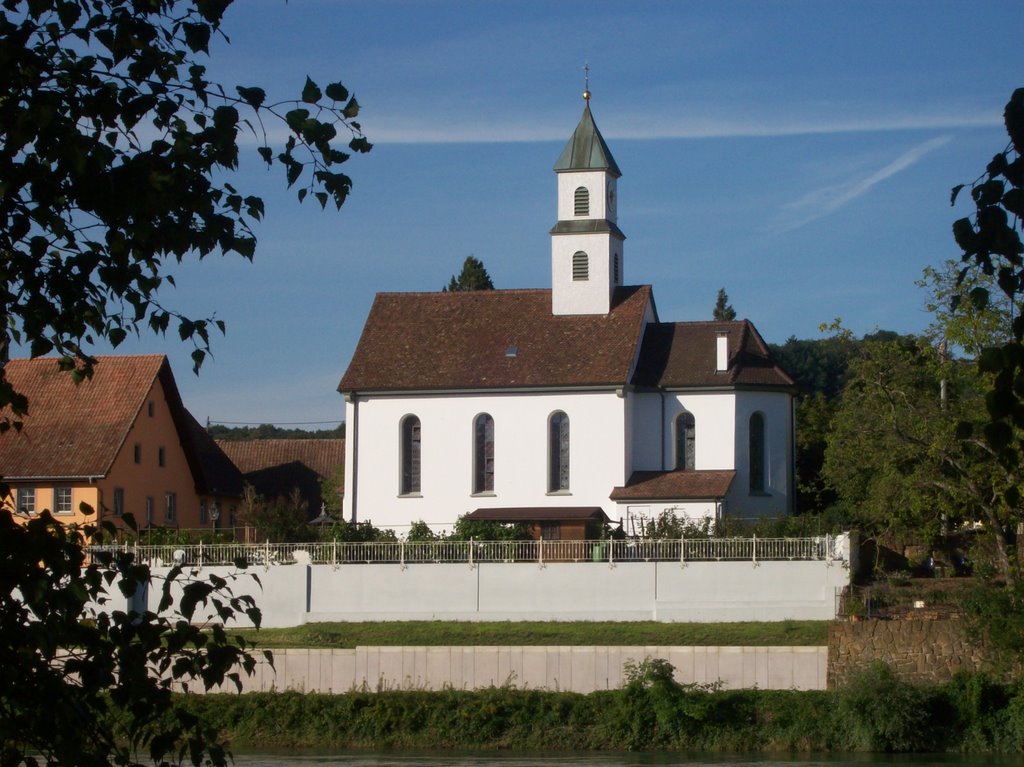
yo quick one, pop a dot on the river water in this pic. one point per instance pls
(491, 759)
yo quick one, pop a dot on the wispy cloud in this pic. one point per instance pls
(822, 202)
(478, 128)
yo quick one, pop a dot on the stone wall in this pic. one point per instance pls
(921, 648)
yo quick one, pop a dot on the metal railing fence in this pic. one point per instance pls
(474, 552)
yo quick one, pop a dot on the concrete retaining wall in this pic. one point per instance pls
(290, 595)
(573, 669)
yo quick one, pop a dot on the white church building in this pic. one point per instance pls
(570, 403)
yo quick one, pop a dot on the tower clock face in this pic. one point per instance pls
(611, 199)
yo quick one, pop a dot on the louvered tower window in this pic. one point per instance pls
(616, 273)
(580, 266)
(581, 200)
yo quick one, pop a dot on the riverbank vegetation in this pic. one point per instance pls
(876, 712)
(491, 633)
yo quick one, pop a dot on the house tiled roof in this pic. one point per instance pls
(321, 455)
(464, 340)
(218, 474)
(76, 431)
(275, 467)
(674, 486)
(683, 354)
(540, 514)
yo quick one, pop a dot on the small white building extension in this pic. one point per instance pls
(575, 398)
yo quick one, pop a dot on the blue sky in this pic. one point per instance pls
(798, 154)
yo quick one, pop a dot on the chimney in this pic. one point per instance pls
(722, 351)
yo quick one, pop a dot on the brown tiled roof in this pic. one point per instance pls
(540, 514)
(321, 455)
(218, 474)
(277, 466)
(683, 354)
(460, 340)
(76, 431)
(674, 485)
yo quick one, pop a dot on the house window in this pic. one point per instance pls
(232, 516)
(118, 501)
(483, 454)
(550, 531)
(150, 409)
(161, 456)
(138, 453)
(27, 500)
(62, 500)
(685, 442)
(581, 201)
(410, 449)
(170, 507)
(558, 452)
(204, 514)
(149, 509)
(580, 266)
(757, 453)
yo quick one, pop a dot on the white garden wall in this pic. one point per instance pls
(290, 595)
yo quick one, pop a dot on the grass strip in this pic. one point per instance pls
(529, 633)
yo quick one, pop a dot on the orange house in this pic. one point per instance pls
(119, 442)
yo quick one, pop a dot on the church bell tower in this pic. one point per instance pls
(586, 243)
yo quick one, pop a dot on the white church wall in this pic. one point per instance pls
(594, 183)
(714, 424)
(596, 464)
(777, 496)
(590, 296)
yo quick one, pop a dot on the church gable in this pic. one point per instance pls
(493, 340)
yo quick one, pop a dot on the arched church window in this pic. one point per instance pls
(580, 266)
(757, 453)
(686, 454)
(483, 454)
(581, 201)
(410, 455)
(558, 452)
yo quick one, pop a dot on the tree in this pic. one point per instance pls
(281, 520)
(723, 311)
(898, 456)
(86, 688)
(113, 163)
(991, 243)
(472, 277)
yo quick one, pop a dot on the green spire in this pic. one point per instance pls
(586, 149)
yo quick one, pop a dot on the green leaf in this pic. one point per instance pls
(266, 153)
(336, 92)
(351, 109)
(360, 144)
(116, 336)
(311, 92)
(998, 434)
(953, 195)
(254, 97)
(979, 298)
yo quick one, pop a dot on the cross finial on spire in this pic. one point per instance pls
(586, 82)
